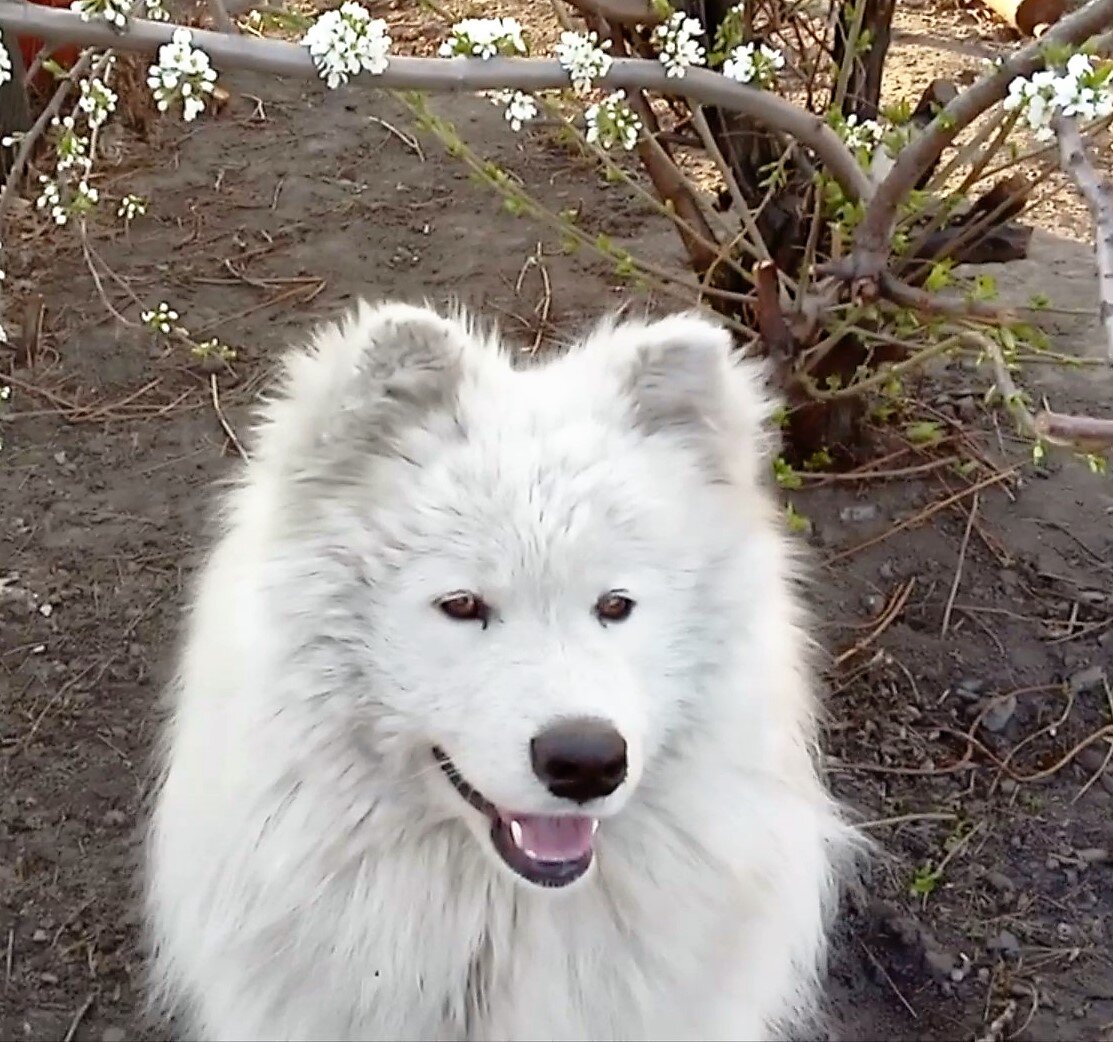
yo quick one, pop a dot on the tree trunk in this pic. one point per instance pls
(15, 110)
(863, 93)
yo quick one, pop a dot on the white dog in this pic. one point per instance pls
(494, 719)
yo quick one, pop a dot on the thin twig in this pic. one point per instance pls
(78, 1017)
(738, 200)
(885, 973)
(818, 480)
(923, 515)
(888, 616)
(407, 139)
(225, 425)
(904, 819)
(958, 567)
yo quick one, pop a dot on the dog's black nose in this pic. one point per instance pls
(579, 760)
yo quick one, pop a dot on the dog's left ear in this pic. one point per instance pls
(685, 380)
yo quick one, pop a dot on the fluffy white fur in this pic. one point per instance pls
(313, 875)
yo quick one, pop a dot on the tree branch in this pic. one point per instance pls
(1084, 433)
(1081, 433)
(1097, 191)
(903, 295)
(871, 244)
(464, 75)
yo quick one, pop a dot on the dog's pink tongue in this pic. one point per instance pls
(545, 838)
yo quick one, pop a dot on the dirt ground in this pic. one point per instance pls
(972, 644)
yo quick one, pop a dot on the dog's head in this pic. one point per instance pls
(522, 578)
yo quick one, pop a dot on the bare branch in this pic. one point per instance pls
(936, 304)
(675, 190)
(1081, 433)
(774, 328)
(1084, 433)
(1099, 194)
(871, 250)
(464, 75)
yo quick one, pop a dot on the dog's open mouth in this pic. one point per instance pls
(545, 849)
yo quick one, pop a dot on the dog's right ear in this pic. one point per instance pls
(363, 383)
(685, 382)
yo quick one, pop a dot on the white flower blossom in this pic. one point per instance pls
(114, 12)
(72, 148)
(97, 101)
(754, 63)
(1080, 91)
(213, 348)
(678, 44)
(156, 11)
(50, 198)
(484, 38)
(161, 319)
(5, 63)
(347, 41)
(182, 71)
(612, 122)
(864, 135)
(583, 59)
(86, 196)
(131, 206)
(520, 107)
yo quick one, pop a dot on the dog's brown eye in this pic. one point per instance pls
(465, 607)
(613, 607)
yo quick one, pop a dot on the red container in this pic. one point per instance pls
(64, 54)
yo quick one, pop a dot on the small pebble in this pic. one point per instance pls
(940, 963)
(858, 513)
(1094, 855)
(1001, 713)
(112, 1034)
(1087, 680)
(1000, 881)
(40, 937)
(1005, 942)
(1091, 760)
(114, 817)
(48, 978)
